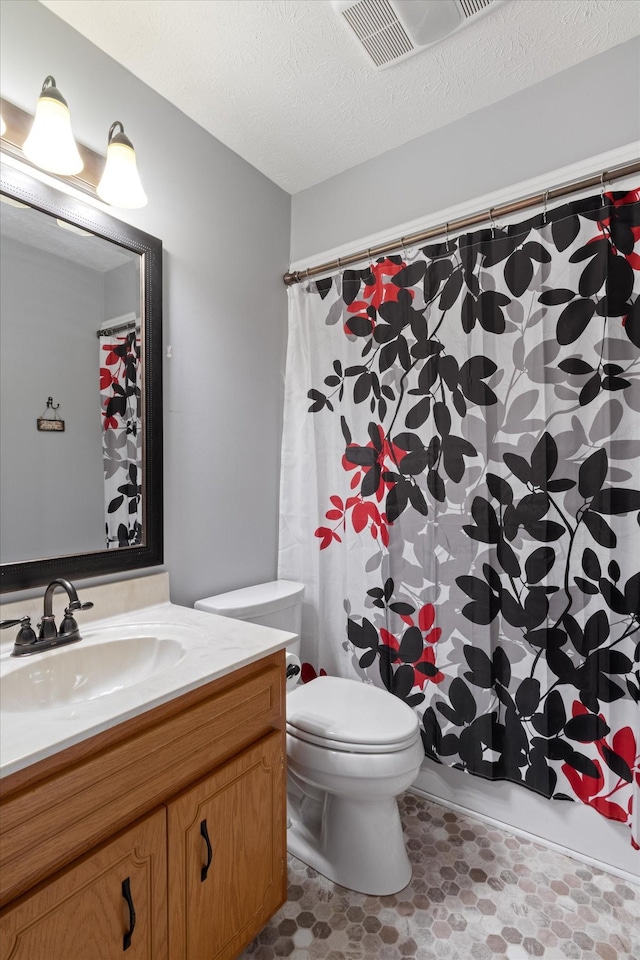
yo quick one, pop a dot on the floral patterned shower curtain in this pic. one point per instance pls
(120, 401)
(460, 494)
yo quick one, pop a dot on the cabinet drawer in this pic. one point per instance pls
(82, 913)
(118, 776)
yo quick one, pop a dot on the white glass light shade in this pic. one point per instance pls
(50, 144)
(120, 184)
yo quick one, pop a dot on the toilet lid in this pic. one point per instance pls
(346, 713)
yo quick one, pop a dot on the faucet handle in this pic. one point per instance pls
(69, 627)
(23, 622)
(26, 636)
(77, 605)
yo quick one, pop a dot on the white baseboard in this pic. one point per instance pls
(534, 838)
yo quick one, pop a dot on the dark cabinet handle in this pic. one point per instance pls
(126, 893)
(205, 834)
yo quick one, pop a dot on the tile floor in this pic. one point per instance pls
(477, 894)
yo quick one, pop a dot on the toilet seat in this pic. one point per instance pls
(343, 746)
(351, 717)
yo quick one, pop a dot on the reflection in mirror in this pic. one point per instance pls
(61, 288)
(79, 343)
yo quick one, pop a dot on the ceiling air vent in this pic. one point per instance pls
(393, 30)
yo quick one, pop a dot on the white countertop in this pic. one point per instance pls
(213, 647)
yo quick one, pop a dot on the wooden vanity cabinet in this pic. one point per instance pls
(131, 803)
(83, 914)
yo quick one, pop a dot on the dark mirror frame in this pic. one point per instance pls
(32, 573)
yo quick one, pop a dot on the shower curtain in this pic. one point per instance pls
(120, 403)
(460, 494)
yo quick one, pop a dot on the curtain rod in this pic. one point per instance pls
(119, 328)
(504, 209)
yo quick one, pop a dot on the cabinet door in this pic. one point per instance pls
(84, 913)
(227, 855)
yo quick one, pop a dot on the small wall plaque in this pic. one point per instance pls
(44, 424)
(50, 420)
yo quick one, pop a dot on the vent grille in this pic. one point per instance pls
(471, 7)
(379, 31)
(392, 30)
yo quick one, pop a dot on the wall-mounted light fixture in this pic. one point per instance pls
(47, 142)
(120, 184)
(50, 144)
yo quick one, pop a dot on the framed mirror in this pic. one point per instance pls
(81, 388)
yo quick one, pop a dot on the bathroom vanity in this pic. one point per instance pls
(152, 822)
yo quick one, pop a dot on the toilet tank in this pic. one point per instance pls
(277, 604)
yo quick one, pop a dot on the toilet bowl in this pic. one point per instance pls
(352, 748)
(345, 819)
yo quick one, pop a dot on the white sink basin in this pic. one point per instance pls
(124, 665)
(86, 670)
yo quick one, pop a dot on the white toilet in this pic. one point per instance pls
(352, 748)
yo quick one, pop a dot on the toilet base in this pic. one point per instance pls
(355, 843)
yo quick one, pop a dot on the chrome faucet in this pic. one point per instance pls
(48, 635)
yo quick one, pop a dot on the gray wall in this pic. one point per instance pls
(225, 230)
(52, 483)
(122, 290)
(580, 112)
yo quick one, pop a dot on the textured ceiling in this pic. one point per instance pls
(283, 83)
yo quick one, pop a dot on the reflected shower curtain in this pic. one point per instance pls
(120, 403)
(460, 494)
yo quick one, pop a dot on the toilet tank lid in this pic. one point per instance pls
(249, 602)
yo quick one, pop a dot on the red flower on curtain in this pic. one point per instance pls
(617, 228)
(621, 757)
(120, 385)
(424, 665)
(370, 464)
(106, 378)
(378, 290)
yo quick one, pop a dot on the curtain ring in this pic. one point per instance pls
(404, 247)
(446, 233)
(602, 187)
(368, 253)
(544, 212)
(493, 223)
